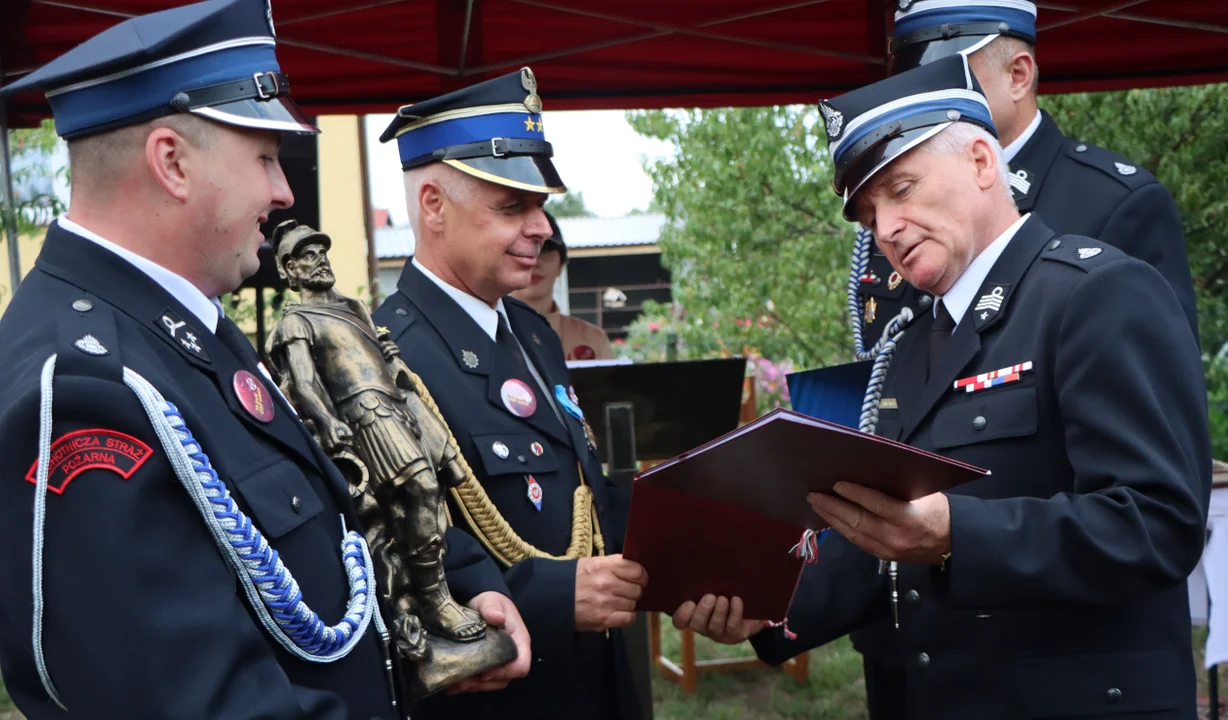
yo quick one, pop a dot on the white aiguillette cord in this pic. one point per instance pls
(268, 584)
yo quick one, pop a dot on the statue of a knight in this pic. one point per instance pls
(350, 384)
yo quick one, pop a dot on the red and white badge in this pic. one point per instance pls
(535, 491)
(518, 398)
(252, 394)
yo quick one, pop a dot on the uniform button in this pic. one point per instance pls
(1055, 244)
(1080, 148)
(1114, 695)
(913, 597)
(402, 311)
(978, 422)
(82, 305)
(923, 660)
(521, 458)
(296, 504)
(924, 302)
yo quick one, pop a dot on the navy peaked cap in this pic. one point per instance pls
(870, 126)
(492, 130)
(215, 59)
(928, 30)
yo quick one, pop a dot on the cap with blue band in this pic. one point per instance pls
(871, 126)
(492, 130)
(216, 59)
(928, 30)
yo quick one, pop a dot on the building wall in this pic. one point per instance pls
(27, 248)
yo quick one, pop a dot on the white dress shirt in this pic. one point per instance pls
(1010, 151)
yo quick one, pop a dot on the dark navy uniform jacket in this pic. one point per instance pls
(1064, 594)
(144, 617)
(1076, 188)
(574, 674)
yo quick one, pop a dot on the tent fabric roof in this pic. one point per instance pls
(361, 56)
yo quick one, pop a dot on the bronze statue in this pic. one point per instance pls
(346, 378)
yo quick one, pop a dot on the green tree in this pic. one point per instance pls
(758, 249)
(35, 209)
(569, 205)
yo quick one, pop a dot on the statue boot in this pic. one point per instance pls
(438, 611)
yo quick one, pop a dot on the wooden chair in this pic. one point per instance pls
(686, 672)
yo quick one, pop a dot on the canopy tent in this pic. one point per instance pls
(362, 56)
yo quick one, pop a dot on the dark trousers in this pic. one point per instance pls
(886, 690)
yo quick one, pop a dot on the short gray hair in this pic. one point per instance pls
(954, 140)
(457, 185)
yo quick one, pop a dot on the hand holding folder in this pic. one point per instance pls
(721, 519)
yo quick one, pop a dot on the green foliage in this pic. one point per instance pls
(35, 210)
(756, 244)
(568, 205)
(1181, 135)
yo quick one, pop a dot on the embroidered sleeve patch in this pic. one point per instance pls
(91, 449)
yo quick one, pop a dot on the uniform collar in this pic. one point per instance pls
(206, 310)
(1010, 151)
(960, 296)
(484, 315)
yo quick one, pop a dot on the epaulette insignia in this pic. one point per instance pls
(1111, 164)
(1081, 252)
(92, 449)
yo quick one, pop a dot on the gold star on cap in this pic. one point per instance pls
(529, 124)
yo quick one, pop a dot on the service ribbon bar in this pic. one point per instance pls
(995, 377)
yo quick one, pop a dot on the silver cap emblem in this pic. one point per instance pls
(833, 118)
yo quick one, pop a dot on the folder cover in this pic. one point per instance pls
(723, 517)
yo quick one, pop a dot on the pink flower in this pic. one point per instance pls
(653, 326)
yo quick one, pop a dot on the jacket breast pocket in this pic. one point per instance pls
(995, 415)
(1116, 684)
(515, 453)
(278, 496)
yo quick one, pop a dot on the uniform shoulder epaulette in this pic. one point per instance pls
(87, 340)
(1084, 253)
(1116, 166)
(400, 319)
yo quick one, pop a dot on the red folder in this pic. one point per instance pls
(722, 518)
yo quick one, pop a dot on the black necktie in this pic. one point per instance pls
(940, 335)
(511, 350)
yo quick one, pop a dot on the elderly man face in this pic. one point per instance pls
(927, 208)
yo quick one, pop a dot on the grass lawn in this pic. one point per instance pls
(836, 690)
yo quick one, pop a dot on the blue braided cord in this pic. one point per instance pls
(278, 591)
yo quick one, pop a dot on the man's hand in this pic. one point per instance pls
(718, 618)
(498, 610)
(337, 435)
(890, 529)
(607, 589)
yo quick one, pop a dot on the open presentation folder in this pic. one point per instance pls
(723, 517)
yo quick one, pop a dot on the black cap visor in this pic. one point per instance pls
(534, 173)
(278, 113)
(870, 161)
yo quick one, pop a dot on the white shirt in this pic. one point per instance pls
(1010, 151)
(959, 296)
(207, 310)
(487, 318)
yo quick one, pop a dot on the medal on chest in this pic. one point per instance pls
(518, 398)
(534, 492)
